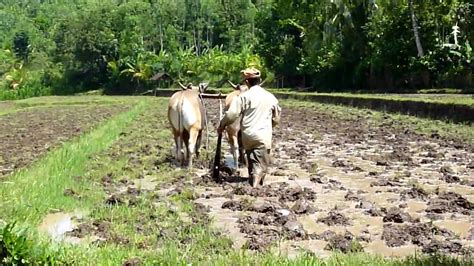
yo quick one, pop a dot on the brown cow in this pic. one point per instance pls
(233, 130)
(187, 118)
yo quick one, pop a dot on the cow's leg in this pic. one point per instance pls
(198, 143)
(185, 137)
(242, 156)
(177, 144)
(193, 136)
(234, 146)
(235, 152)
(180, 150)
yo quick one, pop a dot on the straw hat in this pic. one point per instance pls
(250, 73)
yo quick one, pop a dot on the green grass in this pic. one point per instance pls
(111, 149)
(25, 92)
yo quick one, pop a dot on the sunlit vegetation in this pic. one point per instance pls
(64, 47)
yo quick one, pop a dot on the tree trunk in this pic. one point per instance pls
(415, 29)
(161, 37)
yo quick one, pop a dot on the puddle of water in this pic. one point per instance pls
(56, 225)
(229, 161)
(146, 183)
(361, 222)
(380, 199)
(311, 226)
(331, 199)
(225, 220)
(414, 207)
(460, 228)
(355, 181)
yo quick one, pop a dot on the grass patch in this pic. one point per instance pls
(24, 92)
(48, 101)
(77, 100)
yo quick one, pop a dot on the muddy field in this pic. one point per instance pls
(337, 183)
(28, 134)
(351, 185)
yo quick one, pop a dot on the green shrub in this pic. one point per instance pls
(17, 249)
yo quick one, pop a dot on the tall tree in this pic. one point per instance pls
(414, 22)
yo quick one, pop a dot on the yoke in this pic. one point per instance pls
(213, 96)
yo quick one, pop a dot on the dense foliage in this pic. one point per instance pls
(62, 46)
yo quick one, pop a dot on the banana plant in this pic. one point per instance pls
(15, 76)
(141, 71)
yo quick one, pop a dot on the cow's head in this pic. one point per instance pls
(239, 87)
(201, 88)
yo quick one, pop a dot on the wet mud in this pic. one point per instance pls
(350, 185)
(345, 184)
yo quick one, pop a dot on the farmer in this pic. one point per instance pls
(259, 112)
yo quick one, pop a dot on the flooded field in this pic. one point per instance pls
(341, 179)
(349, 184)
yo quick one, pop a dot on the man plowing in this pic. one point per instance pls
(260, 113)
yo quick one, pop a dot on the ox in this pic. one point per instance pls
(233, 130)
(186, 115)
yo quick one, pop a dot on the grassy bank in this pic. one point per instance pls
(48, 101)
(425, 98)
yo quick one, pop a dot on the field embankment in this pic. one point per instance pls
(455, 108)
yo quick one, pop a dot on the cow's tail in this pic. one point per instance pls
(181, 126)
